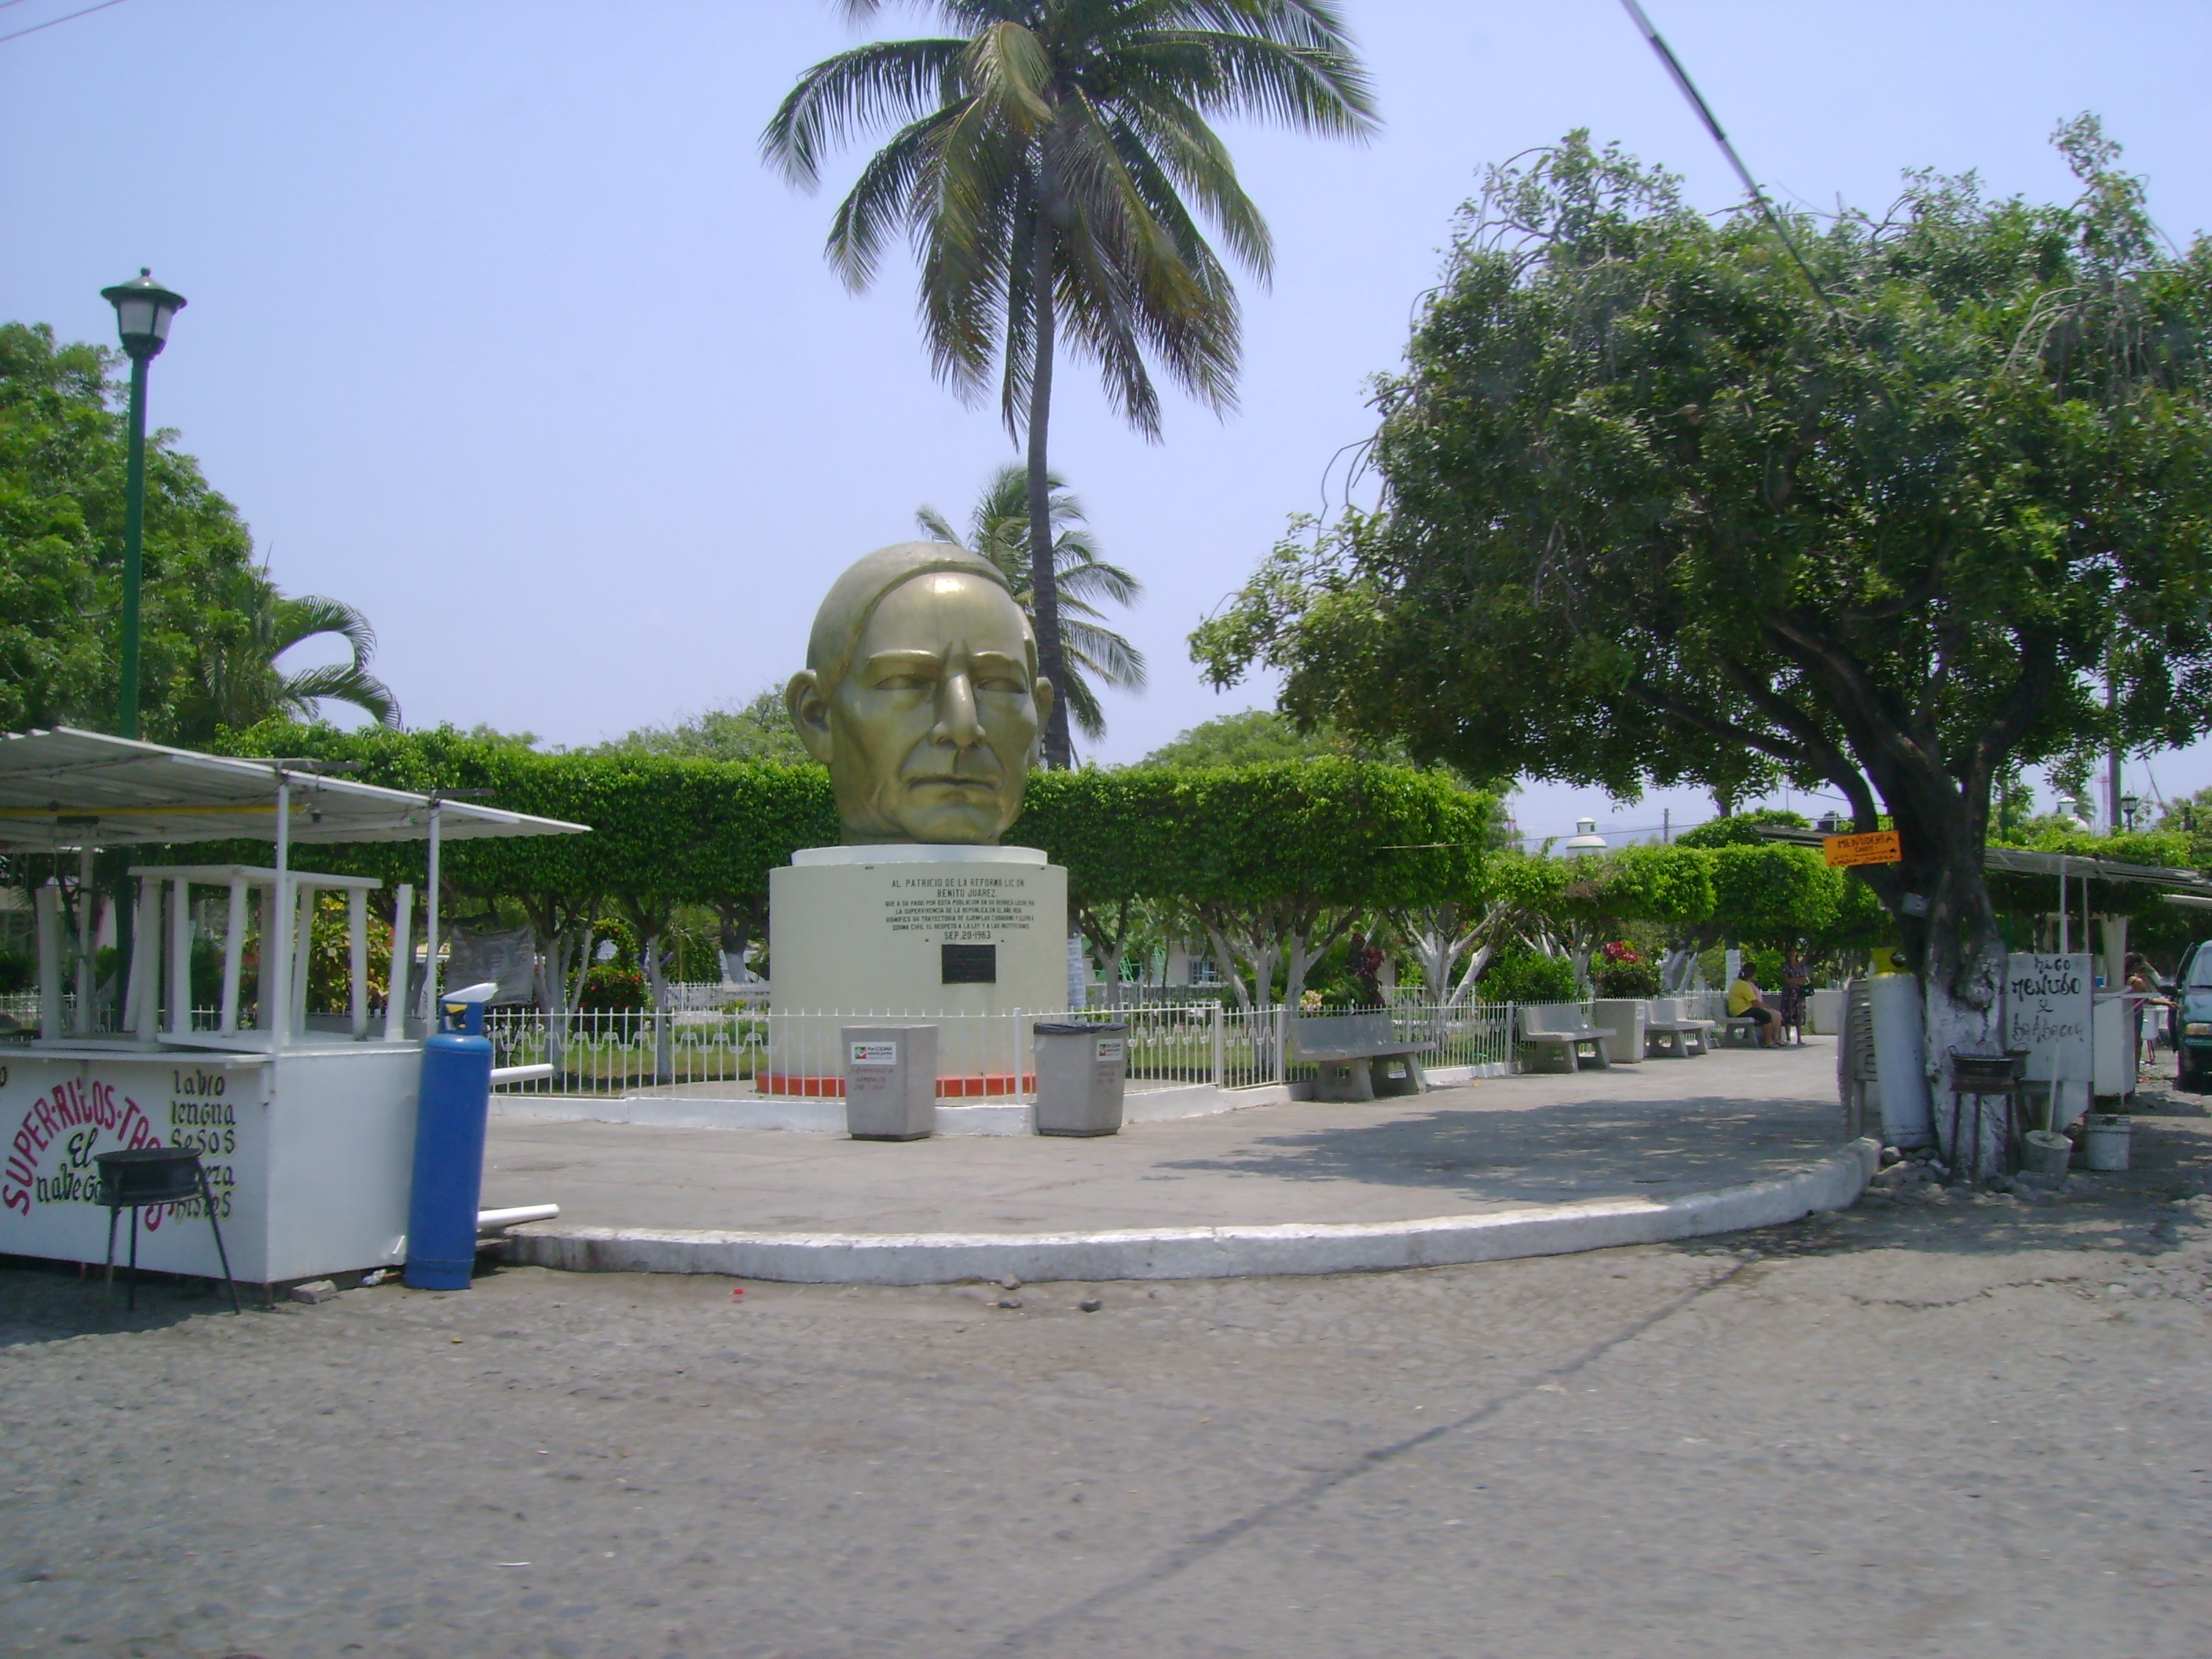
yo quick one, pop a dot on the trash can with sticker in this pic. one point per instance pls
(1080, 1070)
(891, 1082)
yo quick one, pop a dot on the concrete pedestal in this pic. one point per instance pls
(951, 934)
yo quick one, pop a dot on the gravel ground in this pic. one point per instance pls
(1939, 1424)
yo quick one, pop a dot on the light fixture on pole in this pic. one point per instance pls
(143, 310)
(2129, 806)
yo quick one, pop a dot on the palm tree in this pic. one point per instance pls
(235, 681)
(1046, 173)
(1000, 530)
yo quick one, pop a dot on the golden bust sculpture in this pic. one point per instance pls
(920, 695)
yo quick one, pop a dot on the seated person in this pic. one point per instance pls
(1745, 1002)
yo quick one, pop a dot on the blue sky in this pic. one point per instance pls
(500, 329)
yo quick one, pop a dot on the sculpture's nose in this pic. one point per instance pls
(956, 711)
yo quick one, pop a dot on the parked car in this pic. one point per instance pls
(2190, 1020)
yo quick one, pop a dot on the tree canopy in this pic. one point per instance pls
(758, 728)
(213, 624)
(1051, 166)
(1658, 509)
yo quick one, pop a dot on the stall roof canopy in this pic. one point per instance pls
(66, 788)
(2025, 861)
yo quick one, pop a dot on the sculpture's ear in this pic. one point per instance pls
(810, 712)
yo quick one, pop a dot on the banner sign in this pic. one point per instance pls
(2047, 1005)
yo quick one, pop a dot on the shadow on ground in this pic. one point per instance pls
(2145, 1210)
(1550, 1154)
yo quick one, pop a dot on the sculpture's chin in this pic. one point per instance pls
(948, 824)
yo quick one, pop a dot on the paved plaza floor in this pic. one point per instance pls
(1657, 1130)
(1941, 1425)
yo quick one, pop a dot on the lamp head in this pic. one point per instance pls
(143, 310)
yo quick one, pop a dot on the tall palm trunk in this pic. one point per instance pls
(1044, 580)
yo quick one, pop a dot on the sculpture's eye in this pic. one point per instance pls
(905, 682)
(997, 682)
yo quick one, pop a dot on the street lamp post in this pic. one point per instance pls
(143, 310)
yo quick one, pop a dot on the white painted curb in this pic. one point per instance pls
(1833, 1183)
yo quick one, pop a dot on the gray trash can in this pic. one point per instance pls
(891, 1082)
(1080, 1069)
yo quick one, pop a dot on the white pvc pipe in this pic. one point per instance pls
(233, 954)
(491, 1221)
(395, 979)
(357, 958)
(519, 1073)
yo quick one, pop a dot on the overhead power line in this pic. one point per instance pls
(52, 22)
(1704, 112)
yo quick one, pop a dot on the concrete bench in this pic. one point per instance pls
(1741, 1028)
(1672, 1034)
(1354, 1055)
(1563, 1028)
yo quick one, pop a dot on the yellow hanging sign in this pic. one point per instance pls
(1875, 846)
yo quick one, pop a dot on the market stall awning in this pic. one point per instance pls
(66, 789)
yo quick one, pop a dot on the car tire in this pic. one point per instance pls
(2187, 1077)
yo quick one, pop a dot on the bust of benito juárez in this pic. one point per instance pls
(920, 695)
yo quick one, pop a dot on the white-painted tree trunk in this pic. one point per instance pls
(1963, 1013)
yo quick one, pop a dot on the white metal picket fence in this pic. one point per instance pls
(727, 1053)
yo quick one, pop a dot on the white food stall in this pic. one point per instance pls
(305, 1120)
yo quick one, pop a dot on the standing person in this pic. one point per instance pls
(1745, 1001)
(1796, 981)
(2142, 989)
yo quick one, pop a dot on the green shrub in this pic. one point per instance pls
(1525, 976)
(610, 989)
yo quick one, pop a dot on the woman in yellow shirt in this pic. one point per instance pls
(1745, 1002)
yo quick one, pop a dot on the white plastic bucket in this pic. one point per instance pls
(2105, 1137)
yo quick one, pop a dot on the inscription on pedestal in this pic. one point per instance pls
(960, 910)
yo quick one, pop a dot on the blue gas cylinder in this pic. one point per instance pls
(449, 1143)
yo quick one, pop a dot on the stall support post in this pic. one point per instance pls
(276, 927)
(357, 958)
(303, 942)
(2063, 923)
(141, 1010)
(403, 964)
(47, 901)
(233, 953)
(180, 958)
(429, 1010)
(87, 905)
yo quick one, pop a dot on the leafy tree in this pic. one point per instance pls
(1657, 510)
(233, 681)
(1045, 169)
(1000, 530)
(62, 462)
(757, 729)
(1259, 736)
(1742, 829)
(1104, 826)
